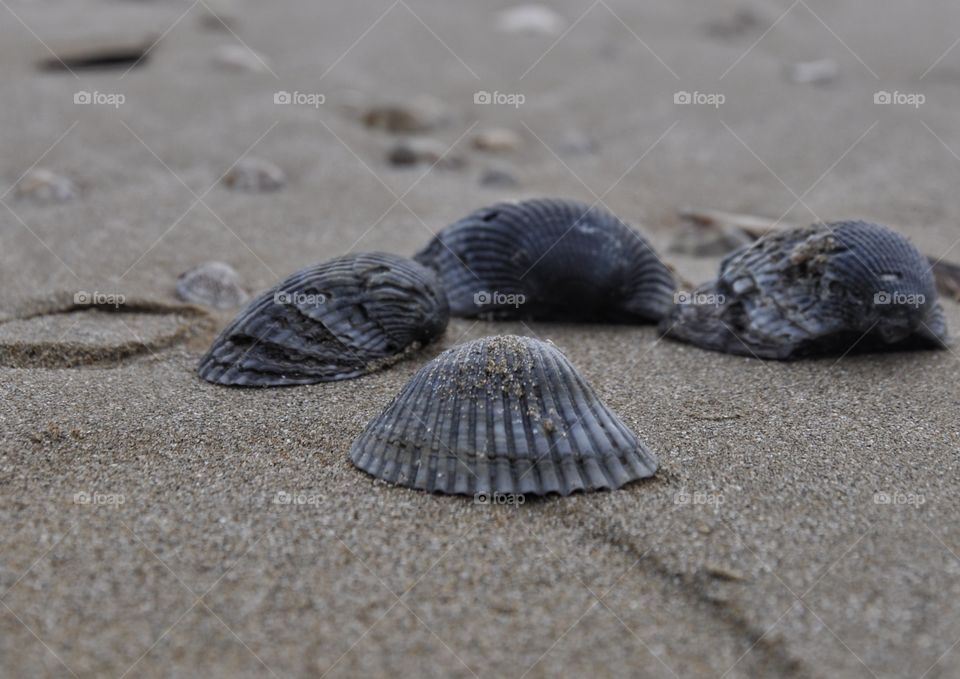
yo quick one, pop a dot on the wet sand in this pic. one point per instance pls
(802, 523)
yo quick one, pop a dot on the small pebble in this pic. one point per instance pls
(420, 114)
(817, 72)
(44, 187)
(239, 58)
(423, 151)
(576, 143)
(497, 140)
(531, 20)
(743, 21)
(212, 284)
(255, 175)
(499, 178)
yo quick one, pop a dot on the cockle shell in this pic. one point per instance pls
(343, 318)
(822, 289)
(549, 259)
(504, 415)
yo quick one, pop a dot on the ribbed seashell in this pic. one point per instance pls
(549, 259)
(504, 415)
(822, 289)
(340, 319)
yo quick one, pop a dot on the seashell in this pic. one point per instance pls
(420, 114)
(255, 175)
(530, 19)
(822, 289)
(44, 187)
(497, 140)
(212, 284)
(549, 259)
(424, 151)
(240, 58)
(504, 415)
(340, 319)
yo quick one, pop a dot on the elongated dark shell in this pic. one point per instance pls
(549, 260)
(340, 319)
(822, 289)
(501, 415)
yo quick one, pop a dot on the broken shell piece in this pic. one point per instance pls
(423, 151)
(530, 19)
(255, 175)
(44, 187)
(420, 114)
(710, 233)
(497, 140)
(819, 72)
(212, 284)
(340, 319)
(101, 53)
(240, 58)
(505, 415)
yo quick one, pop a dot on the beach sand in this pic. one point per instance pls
(157, 525)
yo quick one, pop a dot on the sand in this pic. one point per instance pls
(803, 520)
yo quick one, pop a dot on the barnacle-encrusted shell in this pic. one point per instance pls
(501, 414)
(822, 289)
(340, 319)
(549, 260)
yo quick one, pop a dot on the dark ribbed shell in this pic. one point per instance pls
(501, 415)
(340, 319)
(569, 261)
(822, 289)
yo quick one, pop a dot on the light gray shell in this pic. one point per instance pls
(822, 289)
(504, 415)
(343, 318)
(546, 259)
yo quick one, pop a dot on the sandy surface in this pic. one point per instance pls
(142, 533)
